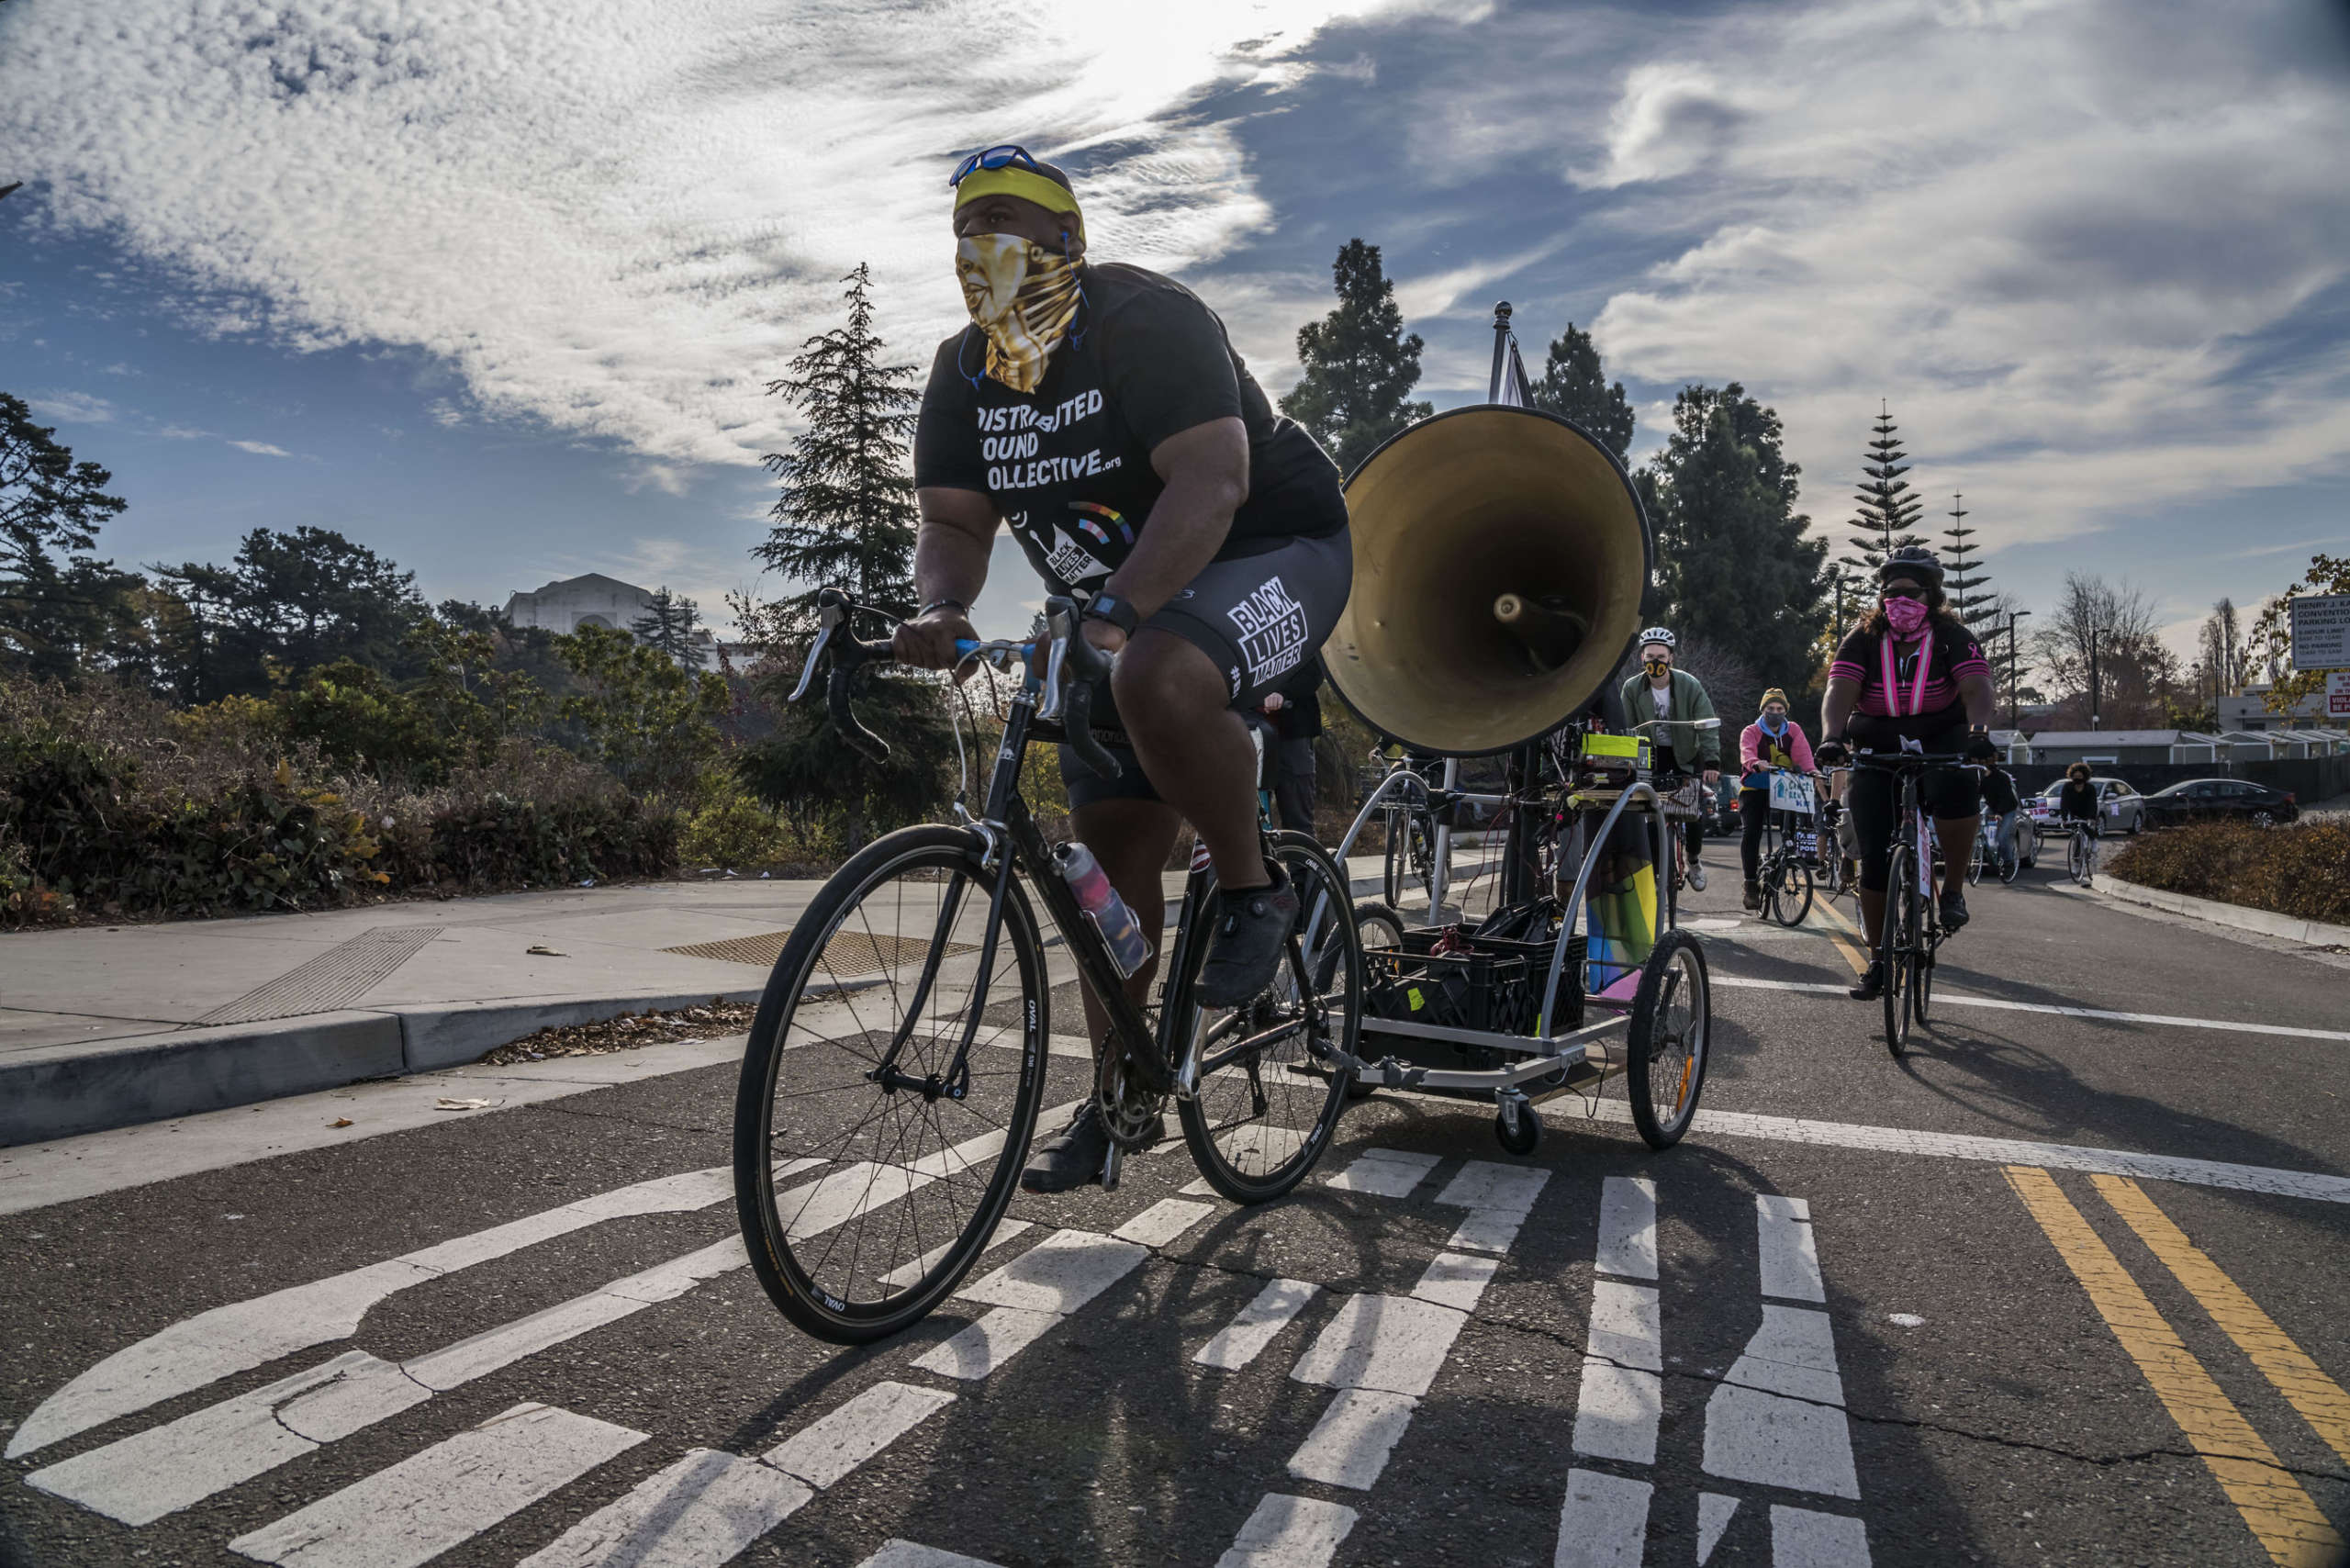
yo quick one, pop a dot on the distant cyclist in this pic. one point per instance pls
(1999, 795)
(1911, 672)
(2076, 801)
(1772, 740)
(1658, 691)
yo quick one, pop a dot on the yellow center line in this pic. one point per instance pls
(2305, 1386)
(2272, 1503)
(1852, 955)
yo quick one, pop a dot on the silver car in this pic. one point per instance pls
(2121, 809)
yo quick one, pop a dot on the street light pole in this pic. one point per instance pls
(2013, 616)
(2094, 632)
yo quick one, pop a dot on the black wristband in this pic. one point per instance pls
(1119, 612)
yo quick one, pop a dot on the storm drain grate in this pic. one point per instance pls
(848, 953)
(335, 978)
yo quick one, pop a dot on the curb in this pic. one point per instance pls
(59, 1092)
(2286, 927)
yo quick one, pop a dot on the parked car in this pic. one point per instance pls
(2238, 800)
(2121, 809)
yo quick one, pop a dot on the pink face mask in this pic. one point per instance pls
(1907, 616)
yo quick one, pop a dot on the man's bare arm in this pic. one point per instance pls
(950, 562)
(1981, 698)
(1836, 708)
(1206, 471)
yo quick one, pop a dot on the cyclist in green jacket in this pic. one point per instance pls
(1657, 690)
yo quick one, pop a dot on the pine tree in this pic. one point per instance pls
(1574, 386)
(1889, 510)
(1963, 576)
(845, 518)
(668, 624)
(1734, 564)
(1360, 364)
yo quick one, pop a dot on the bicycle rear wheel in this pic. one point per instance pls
(1270, 1085)
(1786, 893)
(1381, 929)
(1893, 942)
(864, 1203)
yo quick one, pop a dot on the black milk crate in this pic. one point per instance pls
(1492, 984)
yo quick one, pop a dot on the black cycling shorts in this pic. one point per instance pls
(1950, 794)
(1259, 617)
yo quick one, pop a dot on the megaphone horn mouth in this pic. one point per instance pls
(1500, 557)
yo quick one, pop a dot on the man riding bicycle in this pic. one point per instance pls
(1657, 691)
(1909, 677)
(1100, 412)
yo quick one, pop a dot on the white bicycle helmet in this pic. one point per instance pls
(1657, 634)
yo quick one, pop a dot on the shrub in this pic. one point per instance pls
(730, 829)
(2302, 869)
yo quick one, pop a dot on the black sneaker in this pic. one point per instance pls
(1070, 1157)
(1251, 927)
(1871, 985)
(1754, 897)
(1953, 909)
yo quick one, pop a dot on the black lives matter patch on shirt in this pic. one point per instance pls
(1068, 465)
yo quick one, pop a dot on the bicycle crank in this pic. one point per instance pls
(1130, 1112)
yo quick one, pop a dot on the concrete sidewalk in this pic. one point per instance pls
(107, 1027)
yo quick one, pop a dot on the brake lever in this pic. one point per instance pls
(828, 619)
(1072, 700)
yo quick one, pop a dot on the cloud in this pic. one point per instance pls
(183, 433)
(261, 449)
(74, 408)
(617, 219)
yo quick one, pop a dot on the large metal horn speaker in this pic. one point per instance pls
(1500, 554)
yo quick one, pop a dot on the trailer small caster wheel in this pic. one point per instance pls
(1517, 1127)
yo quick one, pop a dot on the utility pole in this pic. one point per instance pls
(2094, 632)
(1836, 575)
(2013, 616)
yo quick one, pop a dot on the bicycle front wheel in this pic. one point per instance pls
(1270, 1084)
(1894, 949)
(2078, 858)
(1787, 893)
(870, 1172)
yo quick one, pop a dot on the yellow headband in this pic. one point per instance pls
(1012, 181)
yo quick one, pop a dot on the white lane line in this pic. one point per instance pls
(907, 1554)
(1162, 1222)
(1289, 1532)
(825, 1450)
(1801, 1538)
(1622, 1398)
(1059, 1274)
(1348, 1447)
(705, 1509)
(1604, 1523)
(1627, 1228)
(1714, 1511)
(1387, 1342)
(1244, 1338)
(432, 1501)
(978, 1349)
(909, 1273)
(1959, 999)
(1456, 1280)
(1778, 1419)
(247, 1333)
(1384, 1172)
(1790, 1257)
(1498, 1198)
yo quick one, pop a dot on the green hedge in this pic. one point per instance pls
(110, 807)
(2302, 869)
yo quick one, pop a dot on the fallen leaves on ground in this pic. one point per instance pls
(446, 1103)
(339, 1122)
(629, 1031)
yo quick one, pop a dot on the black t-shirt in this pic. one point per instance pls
(1918, 705)
(1069, 465)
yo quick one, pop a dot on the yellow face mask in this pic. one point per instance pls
(1022, 297)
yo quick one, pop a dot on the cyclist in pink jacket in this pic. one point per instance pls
(1772, 740)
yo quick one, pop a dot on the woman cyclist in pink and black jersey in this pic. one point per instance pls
(1910, 672)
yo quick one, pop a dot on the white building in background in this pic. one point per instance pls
(2250, 712)
(594, 599)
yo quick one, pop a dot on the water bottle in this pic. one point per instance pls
(1121, 932)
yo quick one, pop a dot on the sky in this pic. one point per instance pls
(497, 286)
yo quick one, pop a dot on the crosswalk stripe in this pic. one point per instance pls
(824, 1452)
(1162, 1222)
(430, 1502)
(1790, 1259)
(1627, 1228)
(1622, 1397)
(1059, 1274)
(1456, 1280)
(978, 1349)
(906, 1554)
(909, 1273)
(1244, 1338)
(1777, 1418)
(1959, 998)
(1387, 1342)
(704, 1510)
(1605, 1522)
(1714, 1511)
(1289, 1532)
(1498, 1198)
(1384, 1172)
(1348, 1447)
(1801, 1538)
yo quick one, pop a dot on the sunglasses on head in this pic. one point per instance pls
(1005, 155)
(1903, 593)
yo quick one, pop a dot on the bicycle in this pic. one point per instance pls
(1988, 855)
(1912, 931)
(1784, 872)
(899, 1057)
(2080, 853)
(1409, 826)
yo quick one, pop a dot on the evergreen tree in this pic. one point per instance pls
(845, 518)
(1889, 510)
(668, 624)
(1963, 576)
(300, 598)
(1734, 566)
(1360, 364)
(1574, 386)
(58, 605)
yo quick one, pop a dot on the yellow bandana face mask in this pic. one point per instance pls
(1022, 297)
